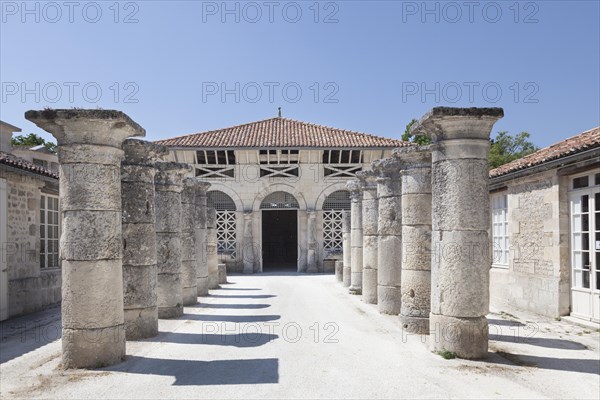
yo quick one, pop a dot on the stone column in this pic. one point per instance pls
(139, 237)
(356, 238)
(389, 231)
(89, 153)
(339, 271)
(211, 244)
(346, 248)
(222, 268)
(311, 257)
(369, 224)
(189, 237)
(168, 186)
(248, 248)
(416, 237)
(460, 219)
(200, 232)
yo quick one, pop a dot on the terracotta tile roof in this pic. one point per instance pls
(281, 132)
(573, 145)
(19, 163)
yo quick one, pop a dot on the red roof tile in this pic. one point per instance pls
(19, 163)
(573, 145)
(281, 132)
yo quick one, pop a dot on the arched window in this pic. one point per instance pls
(279, 200)
(333, 208)
(226, 221)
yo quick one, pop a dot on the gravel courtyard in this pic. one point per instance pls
(288, 335)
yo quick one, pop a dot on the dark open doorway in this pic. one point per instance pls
(279, 240)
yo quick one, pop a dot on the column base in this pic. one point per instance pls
(190, 296)
(141, 323)
(369, 286)
(222, 274)
(355, 290)
(170, 312)
(339, 271)
(346, 277)
(415, 325)
(466, 337)
(213, 281)
(93, 348)
(389, 300)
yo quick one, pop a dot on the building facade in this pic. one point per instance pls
(546, 230)
(279, 188)
(30, 275)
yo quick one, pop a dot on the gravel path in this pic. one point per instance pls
(302, 336)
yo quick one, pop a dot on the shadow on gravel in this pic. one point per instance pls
(243, 296)
(504, 322)
(541, 342)
(201, 373)
(233, 306)
(230, 318)
(587, 366)
(250, 339)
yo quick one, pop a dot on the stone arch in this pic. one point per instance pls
(220, 201)
(239, 205)
(279, 187)
(327, 191)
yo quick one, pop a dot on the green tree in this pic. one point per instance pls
(33, 140)
(418, 139)
(506, 148)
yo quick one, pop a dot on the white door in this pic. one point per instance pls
(585, 246)
(3, 249)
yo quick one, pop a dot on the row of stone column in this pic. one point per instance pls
(417, 241)
(137, 240)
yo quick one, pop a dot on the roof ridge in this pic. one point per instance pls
(309, 124)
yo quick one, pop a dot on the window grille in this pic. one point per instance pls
(279, 200)
(333, 215)
(338, 200)
(226, 221)
(220, 201)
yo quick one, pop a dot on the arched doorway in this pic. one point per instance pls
(279, 231)
(333, 208)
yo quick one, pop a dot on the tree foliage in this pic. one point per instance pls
(32, 140)
(418, 139)
(506, 148)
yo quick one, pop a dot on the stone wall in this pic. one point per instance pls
(537, 278)
(30, 288)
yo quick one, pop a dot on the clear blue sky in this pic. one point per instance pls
(382, 63)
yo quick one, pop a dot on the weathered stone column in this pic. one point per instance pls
(346, 248)
(369, 224)
(89, 152)
(416, 237)
(389, 232)
(356, 238)
(168, 186)
(460, 219)
(311, 257)
(222, 268)
(200, 232)
(211, 244)
(189, 237)
(248, 248)
(139, 237)
(339, 271)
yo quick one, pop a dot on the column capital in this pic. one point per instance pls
(445, 123)
(195, 184)
(367, 179)
(355, 189)
(142, 152)
(171, 174)
(413, 156)
(93, 127)
(386, 168)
